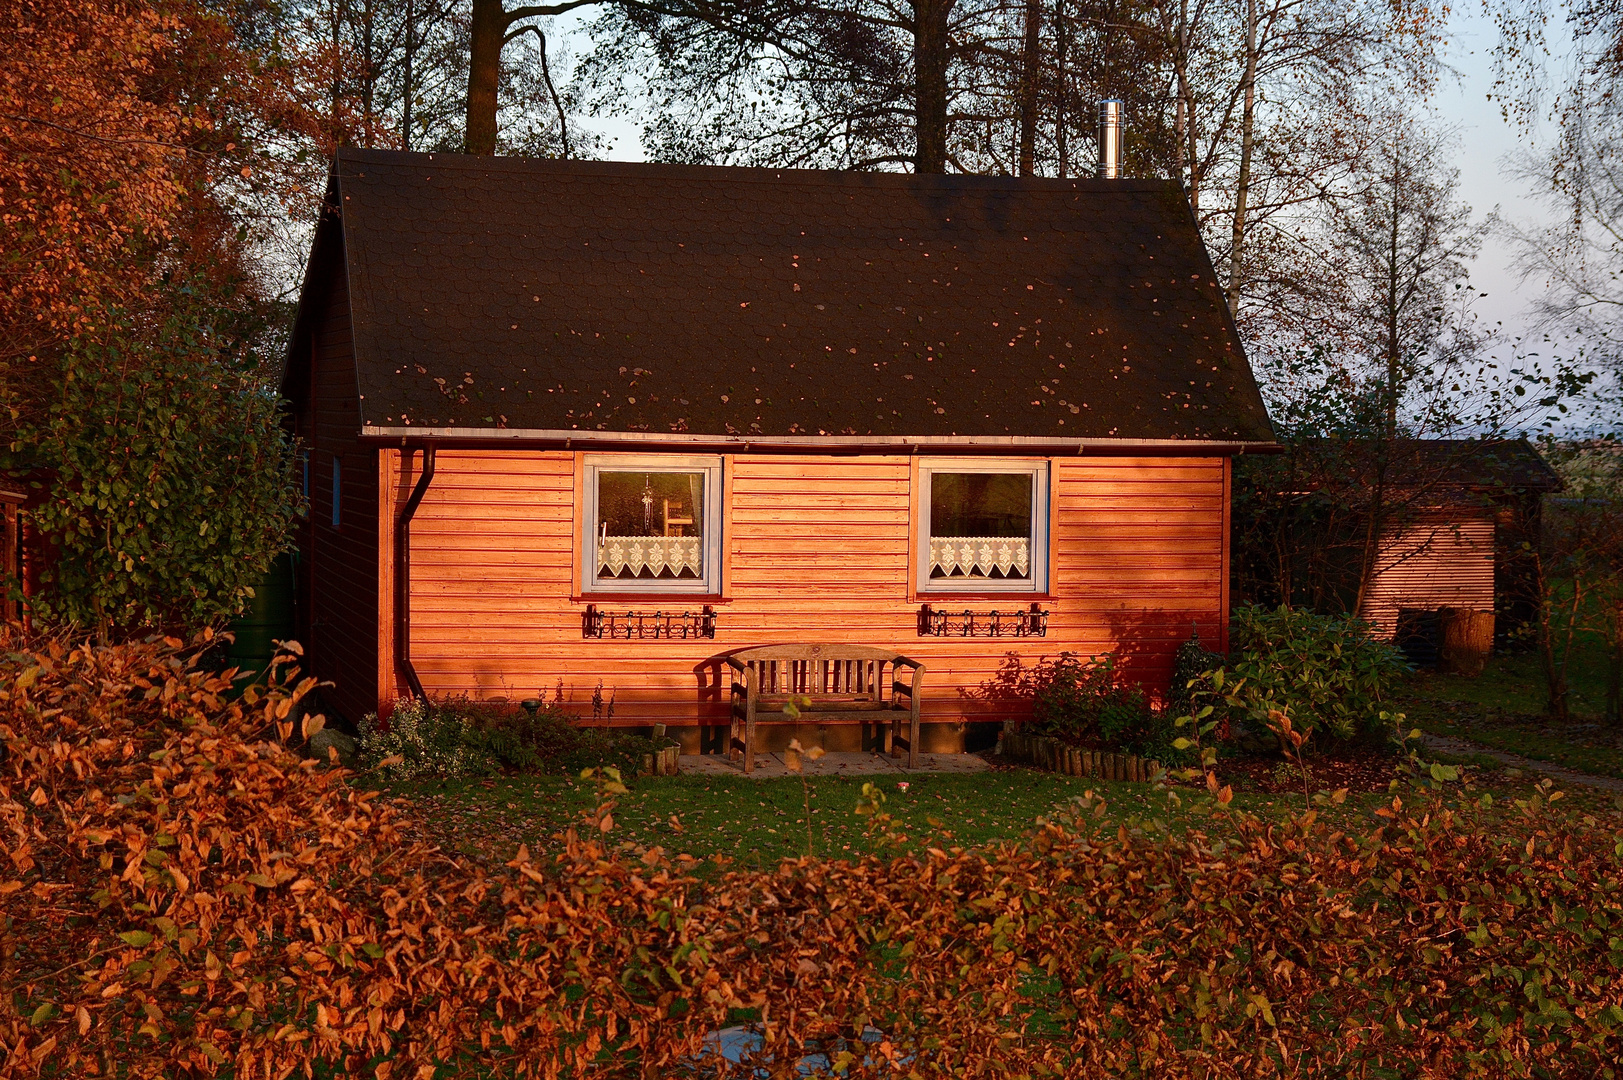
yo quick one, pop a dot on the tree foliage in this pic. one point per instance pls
(136, 136)
(1570, 79)
(150, 150)
(1579, 561)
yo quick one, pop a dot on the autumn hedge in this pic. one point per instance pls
(183, 895)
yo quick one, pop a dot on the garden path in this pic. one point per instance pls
(1448, 744)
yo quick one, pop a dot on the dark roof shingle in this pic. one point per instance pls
(1486, 465)
(616, 297)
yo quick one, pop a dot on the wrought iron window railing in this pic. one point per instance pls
(647, 625)
(1032, 622)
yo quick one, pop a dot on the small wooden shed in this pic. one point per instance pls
(1465, 512)
(580, 429)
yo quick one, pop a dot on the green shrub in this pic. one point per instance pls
(170, 484)
(1191, 668)
(1080, 699)
(1085, 702)
(463, 737)
(1323, 671)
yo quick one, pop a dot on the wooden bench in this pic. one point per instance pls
(847, 684)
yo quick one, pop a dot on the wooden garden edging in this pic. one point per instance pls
(1050, 754)
(662, 762)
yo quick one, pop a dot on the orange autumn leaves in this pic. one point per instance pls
(89, 162)
(183, 896)
(121, 124)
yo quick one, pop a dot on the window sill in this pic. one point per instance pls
(924, 596)
(648, 598)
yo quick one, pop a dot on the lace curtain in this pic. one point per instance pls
(651, 553)
(980, 555)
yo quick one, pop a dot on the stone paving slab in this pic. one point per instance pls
(837, 763)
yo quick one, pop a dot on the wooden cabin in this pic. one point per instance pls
(578, 430)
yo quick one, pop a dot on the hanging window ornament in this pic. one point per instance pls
(647, 506)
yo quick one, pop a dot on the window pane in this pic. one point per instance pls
(650, 525)
(980, 525)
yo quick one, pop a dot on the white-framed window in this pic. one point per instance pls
(983, 526)
(651, 523)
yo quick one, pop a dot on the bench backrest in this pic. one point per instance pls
(854, 670)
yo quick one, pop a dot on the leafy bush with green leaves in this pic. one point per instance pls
(459, 736)
(1083, 700)
(170, 482)
(1191, 666)
(1326, 672)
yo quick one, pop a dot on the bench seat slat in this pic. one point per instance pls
(835, 719)
(824, 702)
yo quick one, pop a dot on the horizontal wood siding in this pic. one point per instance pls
(339, 590)
(818, 551)
(1442, 560)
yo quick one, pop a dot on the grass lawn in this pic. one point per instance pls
(1503, 708)
(731, 821)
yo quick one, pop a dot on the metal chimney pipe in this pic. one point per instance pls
(1110, 139)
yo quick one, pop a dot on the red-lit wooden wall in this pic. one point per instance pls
(816, 549)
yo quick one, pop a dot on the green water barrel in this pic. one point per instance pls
(267, 619)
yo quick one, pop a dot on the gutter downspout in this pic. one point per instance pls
(402, 576)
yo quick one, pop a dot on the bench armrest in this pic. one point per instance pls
(744, 680)
(911, 688)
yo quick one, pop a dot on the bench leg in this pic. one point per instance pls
(913, 734)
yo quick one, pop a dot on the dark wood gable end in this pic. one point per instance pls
(545, 311)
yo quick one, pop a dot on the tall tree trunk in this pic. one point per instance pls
(1185, 122)
(1030, 76)
(411, 53)
(930, 89)
(1374, 522)
(1554, 658)
(1394, 347)
(337, 69)
(1242, 186)
(369, 77)
(484, 69)
(1062, 44)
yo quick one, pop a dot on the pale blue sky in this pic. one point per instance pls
(1487, 144)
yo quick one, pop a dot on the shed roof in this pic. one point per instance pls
(1490, 466)
(506, 297)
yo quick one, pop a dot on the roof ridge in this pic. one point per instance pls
(750, 173)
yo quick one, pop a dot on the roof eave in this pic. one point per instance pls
(534, 438)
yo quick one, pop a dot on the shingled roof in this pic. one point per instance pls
(512, 298)
(1492, 466)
